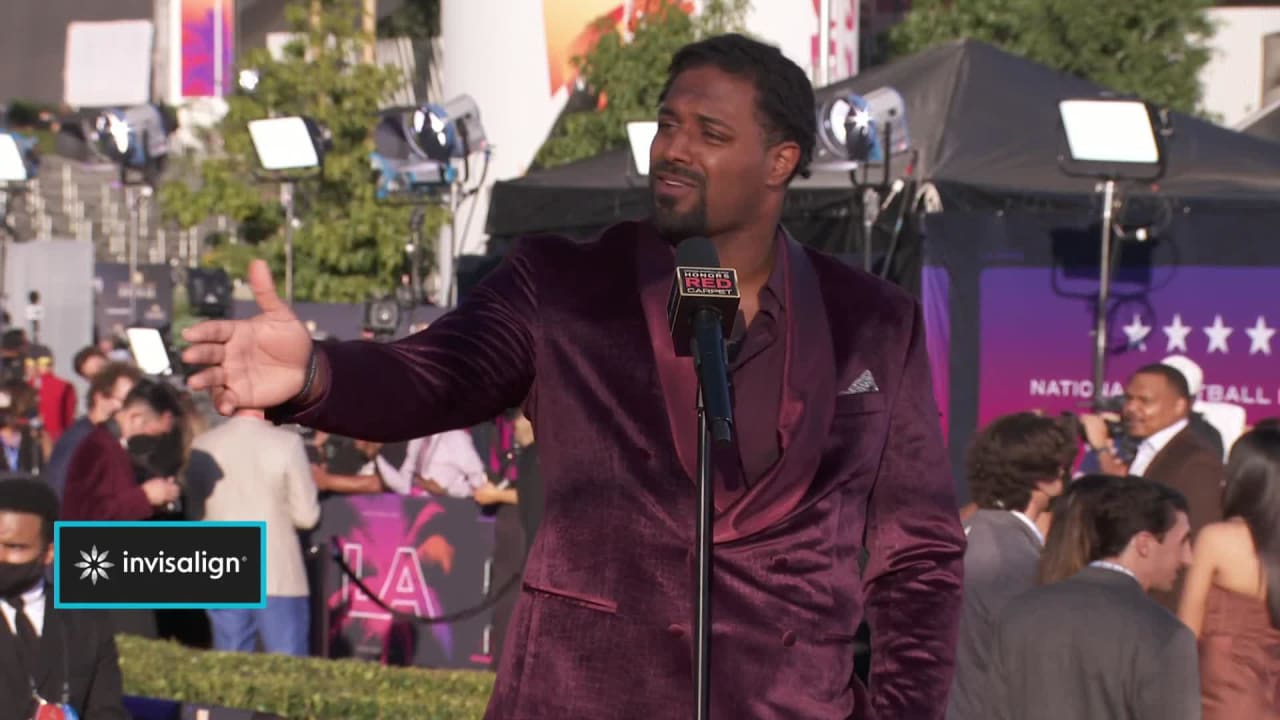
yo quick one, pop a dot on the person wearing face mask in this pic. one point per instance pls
(63, 657)
(102, 483)
(100, 479)
(107, 391)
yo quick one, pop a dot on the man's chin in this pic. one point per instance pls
(677, 229)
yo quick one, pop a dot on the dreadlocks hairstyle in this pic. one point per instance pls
(784, 97)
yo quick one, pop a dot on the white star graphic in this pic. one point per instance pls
(1260, 337)
(861, 119)
(1218, 334)
(1137, 332)
(1177, 333)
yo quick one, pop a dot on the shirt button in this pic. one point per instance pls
(778, 563)
(676, 631)
(788, 638)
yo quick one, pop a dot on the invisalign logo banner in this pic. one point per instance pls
(161, 565)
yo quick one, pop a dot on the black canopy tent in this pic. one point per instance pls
(985, 128)
(984, 124)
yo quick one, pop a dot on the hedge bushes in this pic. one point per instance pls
(300, 688)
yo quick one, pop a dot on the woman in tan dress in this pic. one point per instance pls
(1231, 598)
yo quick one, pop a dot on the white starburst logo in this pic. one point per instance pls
(95, 565)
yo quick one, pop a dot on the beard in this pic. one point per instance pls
(674, 224)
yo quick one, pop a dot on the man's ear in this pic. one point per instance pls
(1144, 542)
(48, 555)
(782, 163)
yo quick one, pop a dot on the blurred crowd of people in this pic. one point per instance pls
(142, 448)
(1148, 587)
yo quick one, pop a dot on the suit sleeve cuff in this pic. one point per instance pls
(304, 407)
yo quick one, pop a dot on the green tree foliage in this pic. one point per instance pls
(347, 246)
(630, 76)
(1151, 48)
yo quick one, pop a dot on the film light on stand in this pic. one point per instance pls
(289, 149)
(1111, 139)
(856, 129)
(136, 139)
(17, 165)
(415, 147)
(287, 143)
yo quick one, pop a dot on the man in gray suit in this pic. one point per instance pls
(1095, 645)
(1015, 467)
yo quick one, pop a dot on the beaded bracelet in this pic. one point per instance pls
(311, 376)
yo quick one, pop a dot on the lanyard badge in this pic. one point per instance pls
(46, 710)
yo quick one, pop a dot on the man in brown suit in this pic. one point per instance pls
(1157, 409)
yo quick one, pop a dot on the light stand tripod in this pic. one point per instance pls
(1110, 139)
(1104, 292)
(416, 222)
(870, 198)
(287, 189)
(134, 196)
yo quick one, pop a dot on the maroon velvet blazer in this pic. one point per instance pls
(602, 627)
(101, 483)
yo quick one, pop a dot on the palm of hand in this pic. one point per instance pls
(256, 363)
(266, 360)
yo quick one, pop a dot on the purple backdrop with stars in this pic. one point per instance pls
(1036, 335)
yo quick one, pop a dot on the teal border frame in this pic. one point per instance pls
(57, 566)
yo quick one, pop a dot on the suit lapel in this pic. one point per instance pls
(11, 674)
(1167, 453)
(808, 396)
(51, 648)
(806, 408)
(655, 265)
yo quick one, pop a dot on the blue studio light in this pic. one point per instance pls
(856, 128)
(413, 149)
(135, 138)
(416, 146)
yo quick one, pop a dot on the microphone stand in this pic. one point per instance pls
(706, 522)
(715, 426)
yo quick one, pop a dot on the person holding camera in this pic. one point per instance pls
(1157, 409)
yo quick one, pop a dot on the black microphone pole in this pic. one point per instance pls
(715, 425)
(704, 302)
(713, 373)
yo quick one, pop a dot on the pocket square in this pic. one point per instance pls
(864, 384)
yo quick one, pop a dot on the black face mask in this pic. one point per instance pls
(17, 578)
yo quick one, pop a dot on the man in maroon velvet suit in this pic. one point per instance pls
(838, 443)
(101, 482)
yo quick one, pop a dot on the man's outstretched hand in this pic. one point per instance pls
(256, 363)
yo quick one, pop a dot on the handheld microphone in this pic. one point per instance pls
(701, 311)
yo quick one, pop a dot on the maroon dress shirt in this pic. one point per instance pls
(756, 359)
